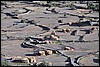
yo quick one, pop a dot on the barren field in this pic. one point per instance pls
(26, 29)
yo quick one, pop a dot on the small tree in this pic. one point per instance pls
(97, 7)
(90, 5)
(72, 6)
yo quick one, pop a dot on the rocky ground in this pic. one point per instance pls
(40, 23)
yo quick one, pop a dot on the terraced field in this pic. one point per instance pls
(26, 29)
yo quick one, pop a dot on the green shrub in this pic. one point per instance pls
(90, 5)
(96, 7)
(24, 20)
(4, 63)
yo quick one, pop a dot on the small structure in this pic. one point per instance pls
(53, 33)
(44, 64)
(41, 53)
(31, 59)
(69, 48)
(53, 37)
(48, 42)
(39, 64)
(25, 60)
(66, 30)
(48, 52)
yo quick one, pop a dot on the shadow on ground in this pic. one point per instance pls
(96, 60)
